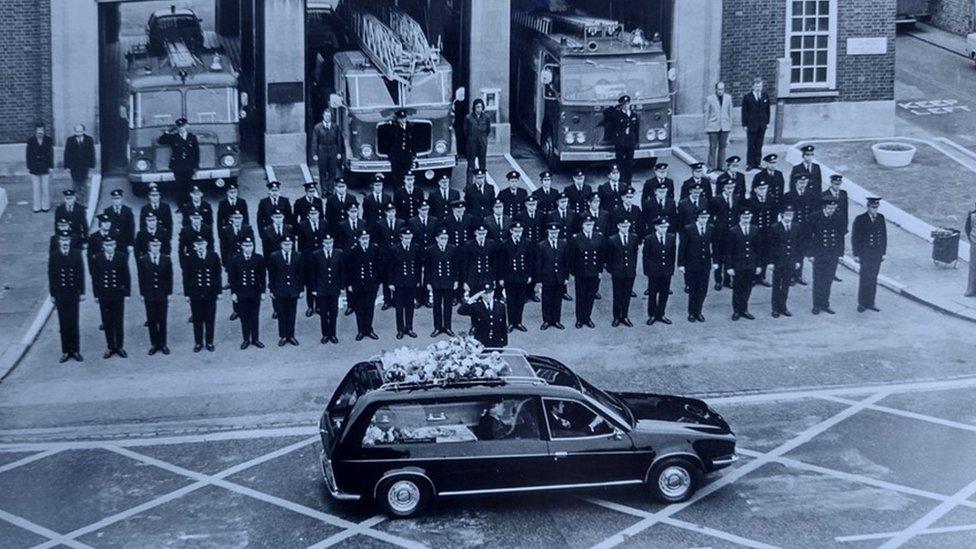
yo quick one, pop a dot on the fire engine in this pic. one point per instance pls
(178, 71)
(395, 67)
(571, 69)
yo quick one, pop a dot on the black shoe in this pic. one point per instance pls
(372, 335)
(189, 319)
(749, 316)
(615, 323)
(145, 324)
(347, 312)
(293, 341)
(534, 298)
(274, 316)
(598, 296)
(829, 311)
(718, 286)
(786, 312)
(519, 327)
(687, 290)
(559, 326)
(816, 311)
(765, 284)
(359, 337)
(801, 282)
(647, 292)
(450, 332)
(210, 347)
(152, 351)
(511, 328)
(837, 279)
(121, 353)
(334, 340)
(861, 308)
(875, 309)
(692, 318)
(309, 312)
(233, 316)
(108, 354)
(78, 357)
(245, 345)
(164, 349)
(650, 321)
(411, 333)
(101, 327)
(589, 324)
(578, 325)
(399, 335)
(282, 342)
(775, 314)
(436, 333)
(545, 326)
(258, 344)
(633, 294)
(728, 285)
(64, 358)
(567, 297)
(670, 292)
(385, 307)
(324, 340)
(665, 320)
(626, 322)
(735, 316)
(701, 318)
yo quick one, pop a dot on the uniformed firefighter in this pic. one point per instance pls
(363, 276)
(479, 260)
(869, 242)
(764, 209)
(184, 156)
(513, 196)
(696, 259)
(328, 274)
(742, 263)
(202, 285)
(658, 259)
(402, 268)
(196, 203)
(247, 275)
(286, 281)
(489, 324)
(586, 264)
(786, 245)
(123, 220)
(621, 262)
(623, 129)
(401, 146)
(155, 270)
(826, 248)
(443, 280)
(66, 284)
(231, 203)
(515, 264)
(552, 271)
(772, 177)
(111, 286)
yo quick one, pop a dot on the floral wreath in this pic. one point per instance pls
(457, 359)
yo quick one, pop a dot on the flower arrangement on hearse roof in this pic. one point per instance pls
(457, 359)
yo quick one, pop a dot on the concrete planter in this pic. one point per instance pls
(893, 154)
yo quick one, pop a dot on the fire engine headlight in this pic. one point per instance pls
(650, 134)
(580, 137)
(570, 137)
(142, 164)
(366, 150)
(440, 147)
(662, 133)
(228, 160)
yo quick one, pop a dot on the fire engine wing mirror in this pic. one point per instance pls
(459, 94)
(335, 101)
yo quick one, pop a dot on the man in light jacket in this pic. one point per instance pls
(718, 124)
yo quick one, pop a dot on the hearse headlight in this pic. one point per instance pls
(650, 134)
(366, 150)
(228, 160)
(662, 133)
(440, 147)
(142, 165)
(580, 137)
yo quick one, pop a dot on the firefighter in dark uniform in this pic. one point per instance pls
(305, 203)
(184, 156)
(310, 234)
(401, 147)
(347, 231)
(63, 224)
(229, 204)
(660, 178)
(772, 177)
(805, 204)
(402, 273)
(66, 284)
(787, 240)
(515, 264)
(150, 231)
(231, 237)
(189, 235)
(658, 258)
(565, 217)
(375, 202)
(578, 192)
(623, 128)
(247, 274)
(826, 248)
(725, 216)
(96, 239)
(808, 168)
(658, 204)
(689, 207)
(497, 222)
(386, 234)
(74, 212)
(732, 173)
(111, 286)
(479, 260)
(443, 275)
(545, 195)
(274, 233)
(363, 271)
(202, 285)
(408, 197)
(631, 211)
(164, 214)
(286, 280)
(424, 228)
(601, 217)
(513, 196)
(552, 271)
(155, 270)
(621, 261)
(328, 272)
(612, 191)
(586, 263)
(489, 324)
(869, 242)
(764, 209)
(123, 220)
(267, 205)
(479, 196)
(442, 198)
(196, 203)
(533, 230)
(696, 260)
(337, 208)
(697, 179)
(742, 263)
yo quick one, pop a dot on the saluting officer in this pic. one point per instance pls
(267, 206)
(623, 128)
(742, 263)
(402, 147)
(311, 232)
(772, 177)
(515, 264)
(162, 211)
(184, 155)
(74, 212)
(199, 205)
(328, 272)
(764, 209)
(787, 240)
(479, 196)
(247, 275)
(443, 275)
(808, 168)
(613, 189)
(552, 271)
(305, 203)
(697, 179)
(826, 248)
(123, 220)
(286, 280)
(732, 173)
(363, 274)
(66, 284)
(725, 216)
(189, 235)
(111, 286)
(696, 259)
(621, 254)
(230, 203)
(513, 197)
(658, 259)
(150, 231)
(479, 260)
(408, 197)
(586, 264)
(402, 274)
(578, 192)
(488, 322)
(202, 285)
(155, 271)
(869, 242)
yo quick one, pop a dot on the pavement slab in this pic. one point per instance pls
(212, 457)
(14, 537)
(953, 405)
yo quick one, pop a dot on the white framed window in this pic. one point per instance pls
(811, 43)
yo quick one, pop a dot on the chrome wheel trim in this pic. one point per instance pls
(674, 481)
(403, 496)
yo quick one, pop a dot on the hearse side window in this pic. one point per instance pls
(361, 379)
(441, 422)
(570, 419)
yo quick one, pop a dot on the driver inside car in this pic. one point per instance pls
(493, 425)
(566, 423)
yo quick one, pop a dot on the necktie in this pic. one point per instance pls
(444, 194)
(287, 258)
(328, 256)
(442, 249)
(787, 225)
(155, 260)
(201, 254)
(498, 219)
(315, 227)
(278, 229)
(661, 204)
(552, 242)
(623, 239)
(660, 239)
(701, 231)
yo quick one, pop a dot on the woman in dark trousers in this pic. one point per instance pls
(477, 128)
(40, 161)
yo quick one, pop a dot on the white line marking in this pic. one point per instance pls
(165, 440)
(517, 167)
(364, 527)
(912, 415)
(38, 529)
(892, 388)
(886, 535)
(306, 174)
(270, 173)
(929, 518)
(26, 460)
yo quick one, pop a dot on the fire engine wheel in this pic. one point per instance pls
(549, 152)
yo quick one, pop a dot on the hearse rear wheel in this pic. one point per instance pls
(403, 496)
(673, 480)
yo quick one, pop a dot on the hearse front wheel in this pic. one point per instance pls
(403, 496)
(673, 480)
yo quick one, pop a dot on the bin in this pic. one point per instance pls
(945, 246)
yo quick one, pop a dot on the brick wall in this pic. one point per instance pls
(955, 16)
(754, 37)
(25, 40)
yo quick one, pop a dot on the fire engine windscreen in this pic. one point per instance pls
(211, 106)
(157, 108)
(366, 91)
(431, 89)
(605, 80)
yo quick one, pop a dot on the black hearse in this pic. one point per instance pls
(541, 427)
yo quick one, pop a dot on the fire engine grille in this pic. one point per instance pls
(423, 135)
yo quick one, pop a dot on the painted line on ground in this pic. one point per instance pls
(937, 45)
(269, 172)
(40, 530)
(306, 174)
(886, 535)
(910, 415)
(892, 388)
(367, 524)
(929, 518)
(522, 173)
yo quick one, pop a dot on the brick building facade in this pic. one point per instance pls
(955, 16)
(25, 66)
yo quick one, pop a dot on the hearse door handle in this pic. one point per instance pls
(561, 454)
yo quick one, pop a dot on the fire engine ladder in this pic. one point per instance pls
(588, 27)
(538, 23)
(413, 38)
(384, 47)
(179, 55)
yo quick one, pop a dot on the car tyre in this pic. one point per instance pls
(673, 480)
(403, 496)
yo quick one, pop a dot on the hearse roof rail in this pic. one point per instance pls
(397, 386)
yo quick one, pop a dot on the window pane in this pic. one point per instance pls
(811, 7)
(821, 57)
(795, 59)
(798, 8)
(811, 24)
(822, 74)
(822, 42)
(796, 42)
(808, 42)
(571, 419)
(797, 24)
(824, 7)
(453, 422)
(808, 57)
(824, 24)
(795, 75)
(808, 75)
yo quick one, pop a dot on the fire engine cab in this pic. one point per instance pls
(571, 69)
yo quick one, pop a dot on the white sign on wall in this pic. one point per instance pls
(867, 46)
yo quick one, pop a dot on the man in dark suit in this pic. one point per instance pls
(806, 204)
(764, 209)
(488, 318)
(66, 284)
(627, 209)
(545, 195)
(827, 231)
(565, 217)
(402, 278)
(247, 274)
(328, 275)
(346, 232)
(786, 251)
(305, 203)
(658, 259)
(622, 126)
(231, 238)
(328, 149)
(479, 196)
(274, 201)
(274, 233)
(697, 179)
(601, 217)
(479, 260)
(199, 205)
(810, 169)
(63, 224)
(755, 118)
(375, 203)
(660, 178)
(869, 242)
(75, 213)
(497, 222)
(732, 172)
(408, 197)
(202, 284)
(839, 196)
(742, 263)
(229, 204)
(441, 199)
(724, 210)
(513, 197)
(621, 255)
(773, 177)
(386, 234)
(613, 189)
(443, 274)
(162, 211)
(286, 280)
(515, 265)
(340, 203)
(578, 192)
(105, 230)
(311, 232)
(401, 146)
(586, 263)
(657, 205)
(552, 271)
(184, 157)
(79, 159)
(155, 270)
(696, 260)
(111, 286)
(363, 275)
(188, 237)
(123, 220)
(689, 207)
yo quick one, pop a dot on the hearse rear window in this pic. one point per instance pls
(442, 422)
